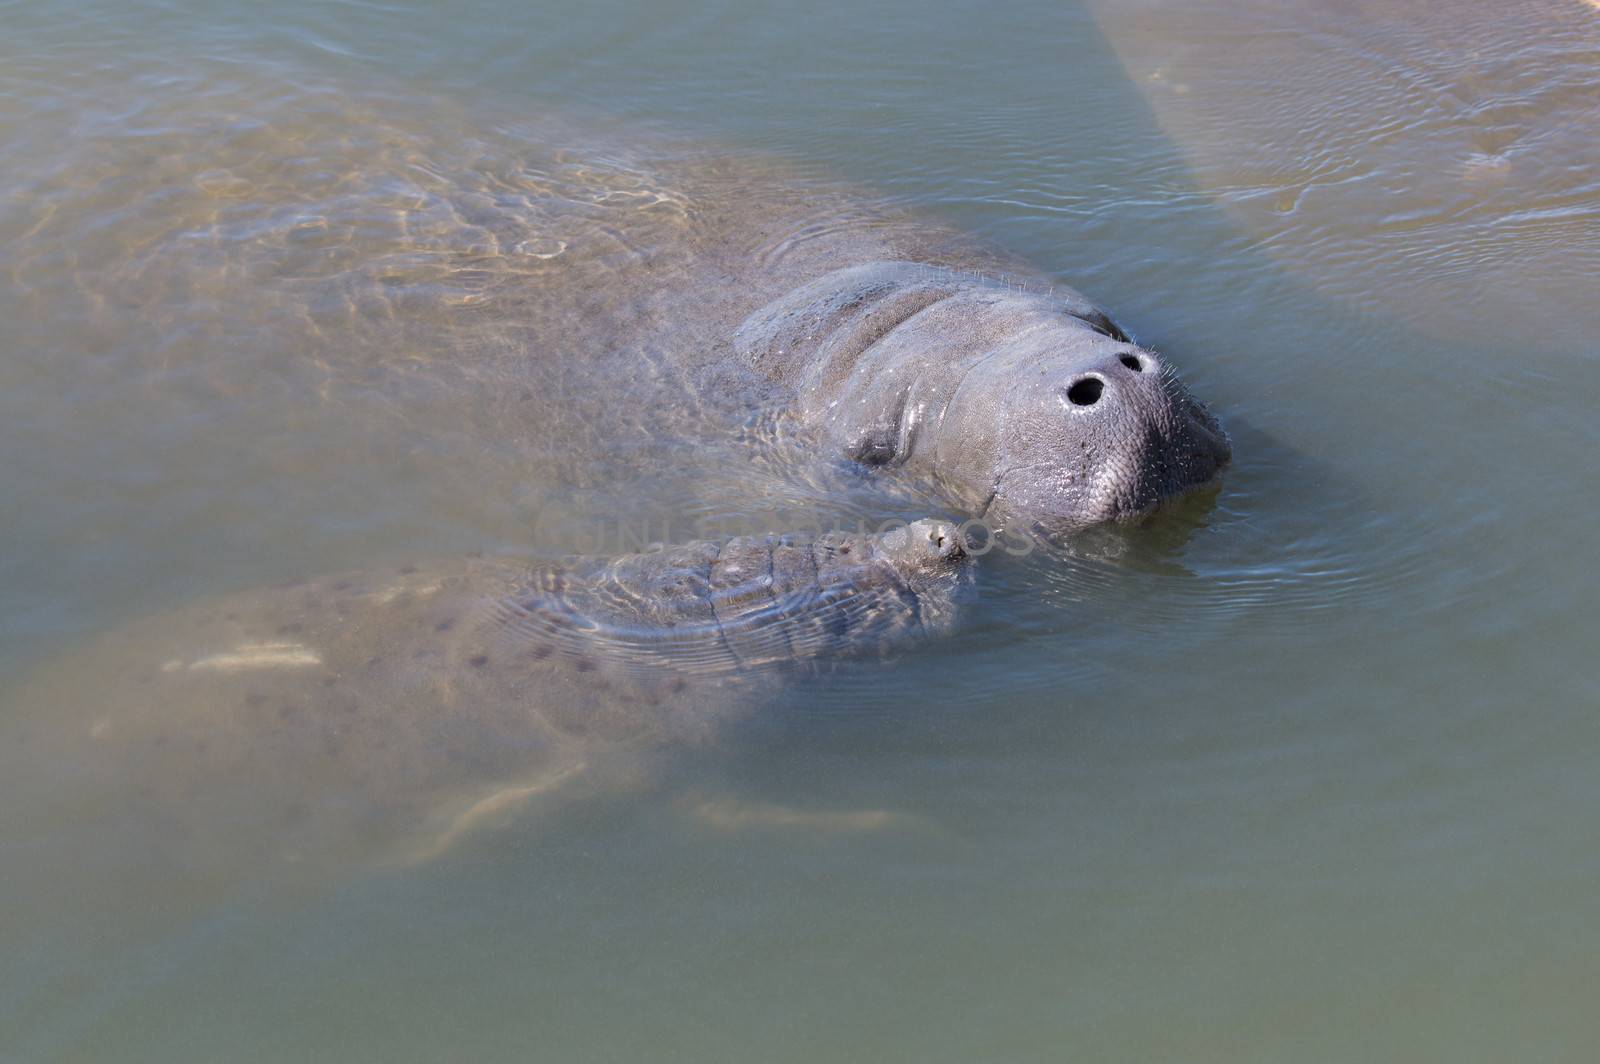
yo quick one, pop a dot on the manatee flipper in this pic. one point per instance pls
(493, 810)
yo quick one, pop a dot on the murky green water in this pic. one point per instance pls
(1308, 776)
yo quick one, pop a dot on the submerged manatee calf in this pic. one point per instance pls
(385, 714)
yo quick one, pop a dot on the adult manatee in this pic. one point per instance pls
(586, 327)
(384, 714)
(527, 301)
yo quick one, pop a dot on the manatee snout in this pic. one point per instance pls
(928, 544)
(1152, 438)
(1092, 431)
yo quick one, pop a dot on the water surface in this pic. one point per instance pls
(1305, 772)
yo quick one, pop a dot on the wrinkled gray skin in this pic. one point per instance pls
(1026, 408)
(386, 714)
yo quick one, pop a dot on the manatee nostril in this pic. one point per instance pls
(1132, 362)
(1086, 392)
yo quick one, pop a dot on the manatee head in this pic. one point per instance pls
(925, 545)
(1061, 425)
(1027, 406)
(930, 557)
(925, 553)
